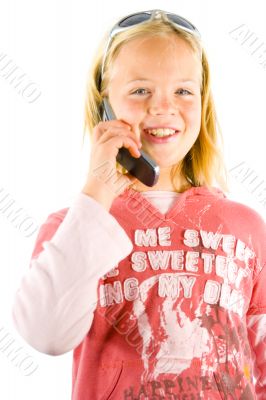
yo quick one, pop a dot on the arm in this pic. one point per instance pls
(256, 326)
(53, 308)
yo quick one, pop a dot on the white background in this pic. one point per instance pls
(42, 163)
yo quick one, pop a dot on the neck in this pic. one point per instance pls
(164, 183)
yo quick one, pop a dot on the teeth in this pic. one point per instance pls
(161, 132)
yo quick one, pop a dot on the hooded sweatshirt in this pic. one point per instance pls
(155, 305)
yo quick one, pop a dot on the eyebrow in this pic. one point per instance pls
(148, 80)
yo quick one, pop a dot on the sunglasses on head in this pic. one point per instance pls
(139, 18)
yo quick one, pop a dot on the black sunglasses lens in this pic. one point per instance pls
(181, 21)
(134, 20)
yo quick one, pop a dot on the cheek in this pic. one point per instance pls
(132, 111)
(193, 115)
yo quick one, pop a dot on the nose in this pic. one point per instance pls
(162, 105)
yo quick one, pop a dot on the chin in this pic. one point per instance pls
(166, 162)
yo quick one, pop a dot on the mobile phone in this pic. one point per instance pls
(143, 168)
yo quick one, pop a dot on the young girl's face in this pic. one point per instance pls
(155, 83)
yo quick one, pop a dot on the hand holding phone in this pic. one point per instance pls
(143, 168)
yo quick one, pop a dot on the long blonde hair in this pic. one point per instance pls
(204, 164)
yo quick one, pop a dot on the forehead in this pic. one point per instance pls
(157, 55)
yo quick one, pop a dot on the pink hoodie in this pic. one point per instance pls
(155, 306)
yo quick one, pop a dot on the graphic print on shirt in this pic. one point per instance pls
(188, 303)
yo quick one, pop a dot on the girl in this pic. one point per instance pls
(158, 290)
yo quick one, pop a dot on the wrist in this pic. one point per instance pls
(100, 192)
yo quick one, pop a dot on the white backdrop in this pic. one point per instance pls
(42, 163)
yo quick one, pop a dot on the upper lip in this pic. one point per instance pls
(160, 127)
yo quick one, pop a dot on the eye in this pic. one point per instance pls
(184, 90)
(140, 91)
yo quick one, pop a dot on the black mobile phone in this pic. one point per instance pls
(143, 168)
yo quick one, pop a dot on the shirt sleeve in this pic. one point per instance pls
(54, 306)
(256, 325)
(256, 322)
(256, 314)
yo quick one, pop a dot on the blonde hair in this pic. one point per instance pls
(203, 165)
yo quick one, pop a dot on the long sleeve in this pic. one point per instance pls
(54, 306)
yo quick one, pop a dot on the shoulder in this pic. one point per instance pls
(48, 229)
(56, 217)
(242, 213)
(229, 211)
(247, 225)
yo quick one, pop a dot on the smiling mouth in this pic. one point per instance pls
(161, 132)
(160, 139)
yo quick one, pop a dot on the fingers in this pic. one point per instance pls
(129, 143)
(115, 142)
(114, 135)
(106, 129)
